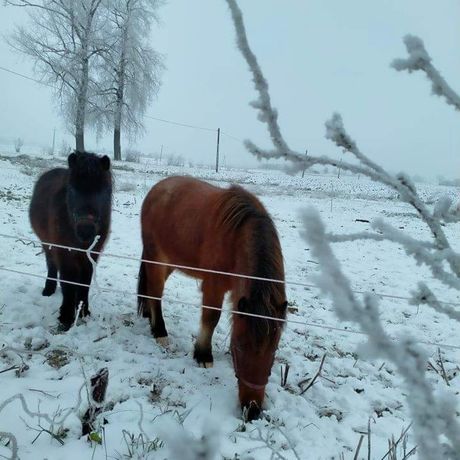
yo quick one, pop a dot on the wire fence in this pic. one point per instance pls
(202, 270)
(209, 307)
(184, 267)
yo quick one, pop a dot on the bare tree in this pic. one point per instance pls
(129, 70)
(62, 40)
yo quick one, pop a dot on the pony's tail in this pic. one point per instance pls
(142, 289)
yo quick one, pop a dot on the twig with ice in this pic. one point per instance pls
(12, 443)
(428, 412)
(424, 252)
(433, 418)
(266, 112)
(419, 59)
(52, 420)
(424, 296)
(315, 377)
(335, 131)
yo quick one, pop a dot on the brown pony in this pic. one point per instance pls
(191, 223)
(70, 207)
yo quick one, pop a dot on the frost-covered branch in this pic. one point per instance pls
(433, 419)
(413, 247)
(419, 59)
(424, 296)
(334, 238)
(424, 252)
(51, 419)
(267, 113)
(12, 444)
(335, 131)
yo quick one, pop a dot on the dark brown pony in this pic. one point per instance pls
(189, 222)
(70, 207)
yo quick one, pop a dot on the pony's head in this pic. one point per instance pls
(89, 194)
(253, 346)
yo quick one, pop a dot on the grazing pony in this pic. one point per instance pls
(191, 223)
(70, 207)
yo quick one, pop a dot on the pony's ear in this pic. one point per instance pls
(72, 160)
(105, 163)
(243, 305)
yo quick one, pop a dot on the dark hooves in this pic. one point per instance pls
(48, 291)
(203, 357)
(251, 412)
(66, 319)
(64, 324)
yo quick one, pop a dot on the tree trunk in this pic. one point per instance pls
(120, 97)
(81, 108)
(80, 140)
(117, 143)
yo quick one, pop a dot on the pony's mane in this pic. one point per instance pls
(238, 208)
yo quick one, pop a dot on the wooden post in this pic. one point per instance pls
(303, 172)
(217, 151)
(54, 141)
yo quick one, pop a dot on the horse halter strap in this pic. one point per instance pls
(236, 355)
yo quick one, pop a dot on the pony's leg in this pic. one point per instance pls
(156, 278)
(68, 272)
(213, 296)
(86, 274)
(50, 285)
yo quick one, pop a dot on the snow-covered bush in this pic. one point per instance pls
(132, 156)
(175, 160)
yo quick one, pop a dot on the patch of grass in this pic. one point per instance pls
(57, 358)
(138, 446)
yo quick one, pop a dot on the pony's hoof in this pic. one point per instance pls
(48, 291)
(207, 365)
(162, 341)
(64, 325)
(203, 357)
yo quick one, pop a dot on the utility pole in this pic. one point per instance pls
(303, 172)
(54, 141)
(217, 152)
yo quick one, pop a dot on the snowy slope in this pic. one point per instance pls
(152, 390)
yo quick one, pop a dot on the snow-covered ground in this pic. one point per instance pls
(152, 391)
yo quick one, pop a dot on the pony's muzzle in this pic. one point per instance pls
(251, 401)
(86, 229)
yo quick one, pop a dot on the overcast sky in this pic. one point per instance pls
(319, 56)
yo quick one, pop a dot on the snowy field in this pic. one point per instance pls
(159, 400)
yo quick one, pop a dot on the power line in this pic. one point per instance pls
(27, 77)
(13, 72)
(232, 137)
(181, 124)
